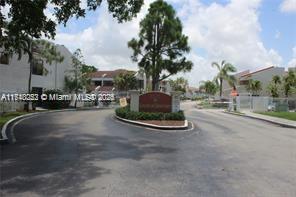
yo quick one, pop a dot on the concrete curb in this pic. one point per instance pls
(185, 126)
(5, 126)
(263, 119)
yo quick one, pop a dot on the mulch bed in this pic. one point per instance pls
(164, 122)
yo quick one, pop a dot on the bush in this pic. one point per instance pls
(125, 113)
(55, 104)
(220, 105)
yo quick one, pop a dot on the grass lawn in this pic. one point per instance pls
(9, 115)
(285, 115)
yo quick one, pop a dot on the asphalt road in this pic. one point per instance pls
(88, 153)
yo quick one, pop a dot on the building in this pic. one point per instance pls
(14, 72)
(191, 92)
(263, 75)
(104, 80)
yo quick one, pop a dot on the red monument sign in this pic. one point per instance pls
(155, 102)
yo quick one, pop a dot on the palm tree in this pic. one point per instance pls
(224, 73)
(289, 82)
(276, 79)
(254, 86)
(30, 46)
(125, 81)
(273, 86)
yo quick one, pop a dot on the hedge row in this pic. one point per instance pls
(125, 112)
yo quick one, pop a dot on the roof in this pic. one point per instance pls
(242, 73)
(261, 70)
(108, 73)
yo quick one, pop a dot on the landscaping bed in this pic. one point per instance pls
(174, 120)
(126, 113)
(164, 122)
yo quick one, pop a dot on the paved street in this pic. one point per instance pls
(88, 153)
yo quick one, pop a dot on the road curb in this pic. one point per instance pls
(184, 127)
(263, 119)
(6, 125)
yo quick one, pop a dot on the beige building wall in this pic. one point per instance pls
(265, 76)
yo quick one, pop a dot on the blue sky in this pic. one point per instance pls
(248, 33)
(272, 21)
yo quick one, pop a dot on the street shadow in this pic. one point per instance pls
(55, 161)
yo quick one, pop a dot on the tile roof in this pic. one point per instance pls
(108, 73)
(264, 69)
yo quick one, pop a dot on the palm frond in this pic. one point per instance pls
(215, 64)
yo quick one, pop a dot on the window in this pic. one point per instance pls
(4, 58)
(37, 67)
(98, 83)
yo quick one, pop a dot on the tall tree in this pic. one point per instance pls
(28, 19)
(77, 80)
(161, 45)
(225, 71)
(88, 68)
(254, 86)
(289, 83)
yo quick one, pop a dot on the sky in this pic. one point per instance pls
(250, 34)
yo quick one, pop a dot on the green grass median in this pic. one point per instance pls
(8, 116)
(285, 115)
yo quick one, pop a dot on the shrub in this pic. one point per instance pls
(125, 113)
(220, 105)
(55, 104)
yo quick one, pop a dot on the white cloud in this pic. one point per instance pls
(292, 62)
(105, 44)
(228, 32)
(288, 6)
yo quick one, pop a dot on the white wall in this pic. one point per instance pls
(63, 68)
(14, 77)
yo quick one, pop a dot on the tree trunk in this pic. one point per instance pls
(221, 81)
(55, 76)
(76, 87)
(29, 81)
(155, 83)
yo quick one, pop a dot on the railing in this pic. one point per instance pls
(259, 103)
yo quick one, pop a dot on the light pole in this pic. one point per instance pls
(103, 76)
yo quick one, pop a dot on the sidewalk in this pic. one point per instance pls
(275, 120)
